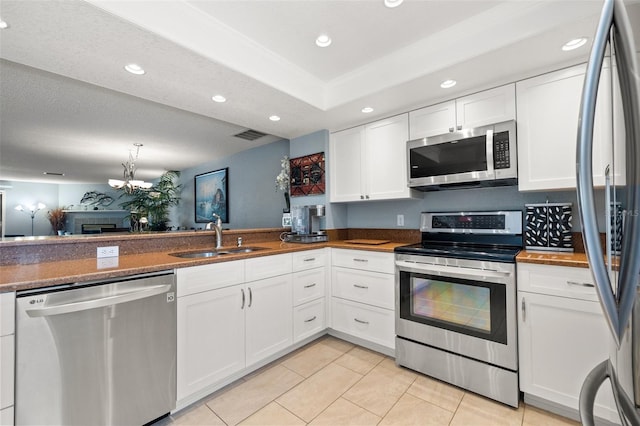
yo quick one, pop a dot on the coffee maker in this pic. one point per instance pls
(305, 224)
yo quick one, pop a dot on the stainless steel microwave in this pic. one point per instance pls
(482, 156)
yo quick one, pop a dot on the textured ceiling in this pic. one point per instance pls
(67, 103)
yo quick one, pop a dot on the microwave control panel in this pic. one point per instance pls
(501, 158)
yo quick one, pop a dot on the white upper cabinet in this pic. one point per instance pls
(548, 108)
(345, 167)
(369, 162)
(482, 108)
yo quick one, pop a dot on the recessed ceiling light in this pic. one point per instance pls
(574, 44)
(134, 69)
(323, 40)
(219, 98)
(392, 3)
(448, 83)
(3, 25)
(274, 118)
(367, 110)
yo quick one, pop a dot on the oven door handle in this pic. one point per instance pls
(428, 267)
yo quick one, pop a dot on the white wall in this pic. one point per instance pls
(27, 194)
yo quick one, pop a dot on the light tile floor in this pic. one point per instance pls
(332, 382)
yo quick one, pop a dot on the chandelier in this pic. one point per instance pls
(130, 183)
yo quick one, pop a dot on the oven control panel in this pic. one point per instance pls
(500, 222)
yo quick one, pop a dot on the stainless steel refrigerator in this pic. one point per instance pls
(616, 270)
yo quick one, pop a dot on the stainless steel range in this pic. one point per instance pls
(456, 301)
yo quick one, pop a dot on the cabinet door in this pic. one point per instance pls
(210, 338)
(364, 321)
(308, 285)
(269, 317)
(308, 319)
(487, 107)
(372, 288)
(386, 159)
(7, 366)
(560, 341)
(432, 120)
(548, 108)
(268, 266)
(7, 313)
(345, 168)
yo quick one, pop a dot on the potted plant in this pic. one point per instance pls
(57, 218)
(153, 204)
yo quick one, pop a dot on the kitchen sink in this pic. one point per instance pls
(214, 253)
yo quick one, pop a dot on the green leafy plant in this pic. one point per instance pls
(154, 203)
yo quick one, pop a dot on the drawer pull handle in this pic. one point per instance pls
(360, 286)
(580, 284)
(360, 321)
(355, 259)
(310, 285)
(309, 259)
(524, 310)
(250, 298)
(242, 290)
(313, 318)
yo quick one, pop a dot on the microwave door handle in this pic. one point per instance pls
(489, 150)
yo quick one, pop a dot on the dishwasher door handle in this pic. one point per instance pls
(97, 303)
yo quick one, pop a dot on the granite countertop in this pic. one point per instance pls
(21, 277)
(577, 260)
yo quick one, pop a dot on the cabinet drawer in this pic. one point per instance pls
(197, 279)
(361, 259)
(308, 285)
(268, 266)
(565, 281)
(364, 321)
(7, 313)
(308, 319)
(309, 259)
(372, 288)
(6, 370)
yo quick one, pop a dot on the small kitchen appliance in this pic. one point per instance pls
(467, 158)
(305, 224)
(456, 301)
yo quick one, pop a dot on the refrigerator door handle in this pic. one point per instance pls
(589, 390)
(629, 76)
(584, 170)
(617, 303)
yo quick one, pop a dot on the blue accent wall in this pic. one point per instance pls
(253, 199)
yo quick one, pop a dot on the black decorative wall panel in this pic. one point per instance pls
(548, 227)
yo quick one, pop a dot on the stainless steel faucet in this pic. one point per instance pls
(217, 225)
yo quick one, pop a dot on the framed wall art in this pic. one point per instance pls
(212, 195)
(307, 175)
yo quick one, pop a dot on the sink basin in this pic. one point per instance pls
(213, 253)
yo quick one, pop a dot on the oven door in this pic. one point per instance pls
(462, 306)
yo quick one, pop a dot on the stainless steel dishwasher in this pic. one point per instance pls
(96, 353)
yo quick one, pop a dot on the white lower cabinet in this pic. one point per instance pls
(364, 321)
(560, 339)
(230, 325)
(309, 291)
(6, 416)
(269, 321)
(308, 319)
(362, 295)
(211, 338)
(7, 356)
